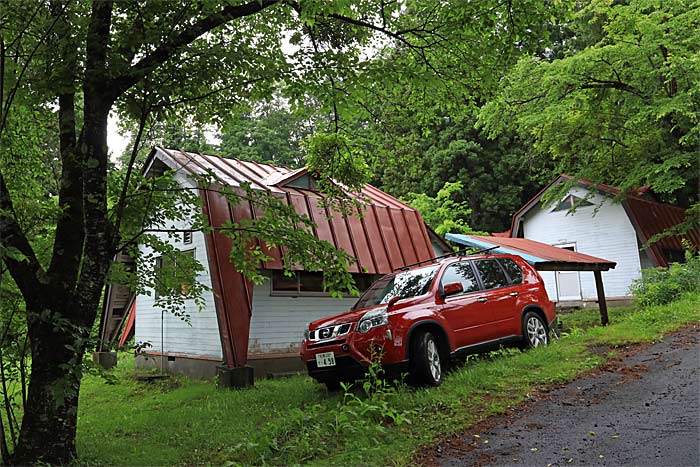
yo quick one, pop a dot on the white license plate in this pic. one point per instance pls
(325, 359)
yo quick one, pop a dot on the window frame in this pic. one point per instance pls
(481, 282)
(159, 264)
(508, 276)
(307, 293)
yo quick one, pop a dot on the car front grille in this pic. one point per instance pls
(329, 332)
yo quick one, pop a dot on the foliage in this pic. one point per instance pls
(442, 212)
(268, 132)
(376, 407)
(619, 105)
(498, 176)
(290, 421)
(78, 62)
(331, 154)
(659, 286)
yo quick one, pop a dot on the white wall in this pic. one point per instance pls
(601, 230)
(278, 323)
(201, 335)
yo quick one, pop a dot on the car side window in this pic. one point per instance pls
(491, 274)
(513, 270)
(463, 273)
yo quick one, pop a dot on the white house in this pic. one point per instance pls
(604, 226)
(261, 326)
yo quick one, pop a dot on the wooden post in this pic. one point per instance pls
(601, 298)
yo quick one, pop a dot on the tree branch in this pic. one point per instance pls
(173, 45)
(27, 270)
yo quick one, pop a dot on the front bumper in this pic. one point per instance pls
(353, 354)
(347, 368)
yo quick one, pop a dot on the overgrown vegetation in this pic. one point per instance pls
(659, 286)
(296, 421)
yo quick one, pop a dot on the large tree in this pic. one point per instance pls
(617, 102)
(82, 60)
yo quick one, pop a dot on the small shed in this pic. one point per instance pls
(544, 258)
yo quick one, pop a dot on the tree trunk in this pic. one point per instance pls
(48, 428)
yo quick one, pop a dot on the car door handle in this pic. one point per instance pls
(513, 294)
(482, 300)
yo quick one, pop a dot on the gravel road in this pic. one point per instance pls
(642, 410)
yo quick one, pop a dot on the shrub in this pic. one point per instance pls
(659, 286)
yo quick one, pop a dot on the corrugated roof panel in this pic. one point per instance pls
(320, 218)
(653, 218)
(422, 245)
(362, 248)
(408, 250)
(390, 236)
(376, 240)
(341, 234)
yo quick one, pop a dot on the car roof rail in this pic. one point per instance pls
(459, 253)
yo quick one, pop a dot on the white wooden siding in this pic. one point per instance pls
(201, 335)
(278, 323)
(601, 230)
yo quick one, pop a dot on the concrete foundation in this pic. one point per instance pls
(192, 367)
(208, 368)
(106, 360)
(234, 378)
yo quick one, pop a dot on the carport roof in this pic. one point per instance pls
(541, 255)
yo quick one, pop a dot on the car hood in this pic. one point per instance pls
(351, 316)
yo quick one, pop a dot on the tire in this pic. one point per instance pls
(333, 385)
(427, 367)
(535, 332)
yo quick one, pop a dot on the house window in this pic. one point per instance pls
(170, 274)
(306, 182)
(570, 202)
(674, 255)
(187, 237)
(311, 283)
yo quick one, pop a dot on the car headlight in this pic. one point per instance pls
(372, 319)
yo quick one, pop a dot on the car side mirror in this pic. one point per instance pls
(452, 288)
(392, 301)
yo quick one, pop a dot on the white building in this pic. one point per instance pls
(604, 224)
(260, 325)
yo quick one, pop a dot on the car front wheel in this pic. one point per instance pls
(535, 331)
(427, 367)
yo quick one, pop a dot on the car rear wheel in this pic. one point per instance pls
(426, 363)
(535, 331)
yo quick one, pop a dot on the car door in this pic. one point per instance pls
(465, 311)
(501, 315)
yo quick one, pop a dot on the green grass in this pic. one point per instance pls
(295, 421)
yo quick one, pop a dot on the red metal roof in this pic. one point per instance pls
(390, 234)
(542, 255)
(648, 217)
(543, 250)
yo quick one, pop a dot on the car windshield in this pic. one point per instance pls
(404, 284)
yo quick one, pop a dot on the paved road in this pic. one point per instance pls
(641, 411)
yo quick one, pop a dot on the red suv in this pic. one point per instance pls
(420, 319)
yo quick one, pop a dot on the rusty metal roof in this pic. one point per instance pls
(648, 217)
(541, 255)
(388, 235)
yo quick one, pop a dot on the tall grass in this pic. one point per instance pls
(295, 421)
